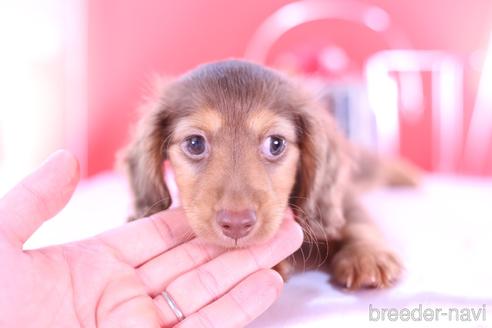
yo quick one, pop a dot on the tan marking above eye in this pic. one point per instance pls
(265, 123)
(207, 121)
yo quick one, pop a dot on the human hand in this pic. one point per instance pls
(116, 279)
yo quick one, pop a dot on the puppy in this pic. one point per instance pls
(245, 143)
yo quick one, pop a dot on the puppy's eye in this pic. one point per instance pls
(273, 146)
(195, 146)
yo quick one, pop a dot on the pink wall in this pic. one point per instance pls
(130, 40)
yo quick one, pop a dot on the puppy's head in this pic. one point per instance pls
(242, 144)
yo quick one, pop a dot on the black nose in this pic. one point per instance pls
(236, 224)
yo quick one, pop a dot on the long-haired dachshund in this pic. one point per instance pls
(245, 143)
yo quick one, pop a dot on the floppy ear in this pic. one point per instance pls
(143, 161)
(323, 173)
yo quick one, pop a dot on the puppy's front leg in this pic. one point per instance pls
(364, 259)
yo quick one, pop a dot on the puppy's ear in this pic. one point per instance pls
(143, 160)
(323, 173)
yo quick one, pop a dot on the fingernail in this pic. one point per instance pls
(63, 161)
(60, 155)
(276, 286)
(289, 214)
(269, 285)
(300, 233)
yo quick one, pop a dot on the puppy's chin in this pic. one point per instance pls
(252, 239)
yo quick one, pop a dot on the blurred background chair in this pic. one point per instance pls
(407, 78)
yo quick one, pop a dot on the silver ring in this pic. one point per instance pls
(172, 305)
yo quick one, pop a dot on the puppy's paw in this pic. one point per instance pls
(365, 266)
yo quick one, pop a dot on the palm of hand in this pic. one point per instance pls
(116, 279)
(87, 286)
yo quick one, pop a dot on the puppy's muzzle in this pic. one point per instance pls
(236, 224)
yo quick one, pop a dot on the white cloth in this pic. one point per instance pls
(443, 231)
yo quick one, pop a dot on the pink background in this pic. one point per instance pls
(129, 41)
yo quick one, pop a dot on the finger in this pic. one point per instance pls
(38, 197)
(157, 273)
(141, 240)
(244, 303)
(200, 286)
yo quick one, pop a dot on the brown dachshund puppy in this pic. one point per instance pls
(245, 143)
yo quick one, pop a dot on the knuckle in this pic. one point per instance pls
(163, 230)
(209, 282)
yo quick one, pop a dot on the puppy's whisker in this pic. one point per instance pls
(322, 229)
(325, 240)
(165, 143)
(150, 209)
(311, 237)
(309, 233)
(293, 259)
(303, 260)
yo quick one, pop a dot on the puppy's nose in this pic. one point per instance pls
(236, 224)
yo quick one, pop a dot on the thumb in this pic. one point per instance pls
(38, 197)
